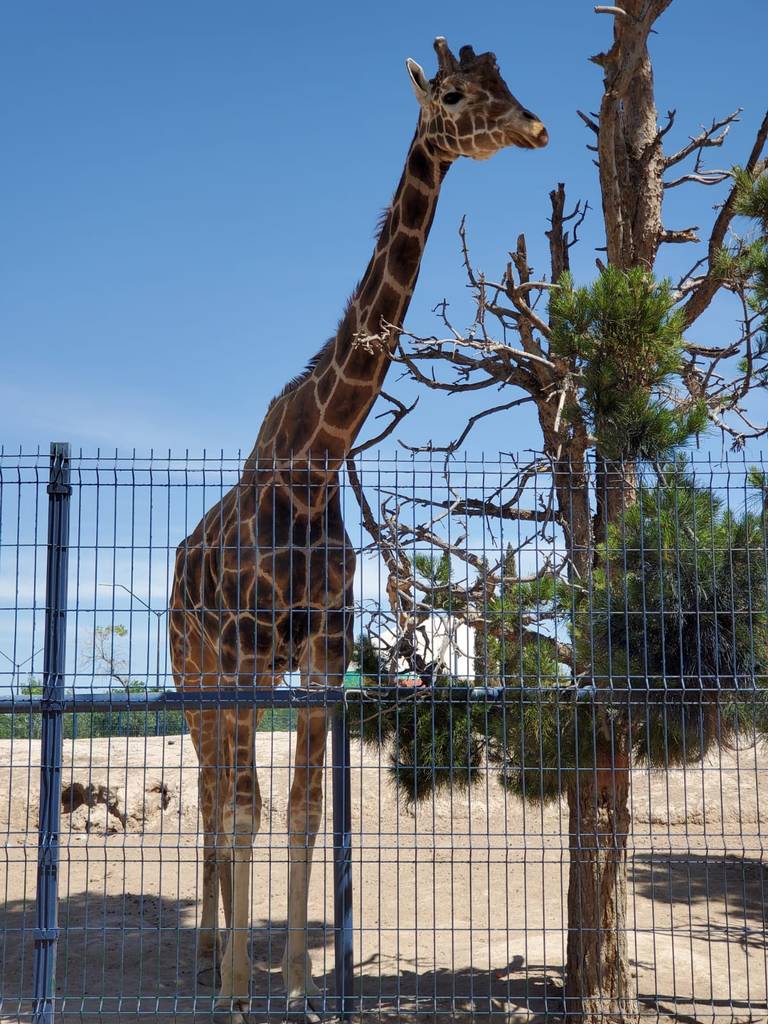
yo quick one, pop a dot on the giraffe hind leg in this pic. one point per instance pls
(323, 664)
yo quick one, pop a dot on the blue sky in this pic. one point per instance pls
(188, 192)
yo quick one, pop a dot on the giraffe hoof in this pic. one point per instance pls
(306, 1010)
(231, 1013)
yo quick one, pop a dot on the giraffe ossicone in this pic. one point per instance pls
(263, 585)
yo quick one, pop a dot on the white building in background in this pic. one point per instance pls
(441, 638)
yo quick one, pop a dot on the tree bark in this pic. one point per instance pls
(572, 487)
(615, 491)
(630, 153)
(599, 985)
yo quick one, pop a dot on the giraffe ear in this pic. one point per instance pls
(418, 80)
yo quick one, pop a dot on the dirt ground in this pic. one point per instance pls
(458, 908)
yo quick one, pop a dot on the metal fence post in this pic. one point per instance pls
(342, 859)
(46, 909)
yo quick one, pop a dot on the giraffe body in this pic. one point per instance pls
(263, 585)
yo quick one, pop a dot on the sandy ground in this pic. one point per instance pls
(458, 908)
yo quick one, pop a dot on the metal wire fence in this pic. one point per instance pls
(541, 690)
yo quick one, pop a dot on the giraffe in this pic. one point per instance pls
(263, 585)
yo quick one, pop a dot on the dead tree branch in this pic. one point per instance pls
(706, 139)
(705, 288)
(398, 414)
(680, 236)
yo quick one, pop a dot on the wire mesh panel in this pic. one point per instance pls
(511, 714)
(23, 566)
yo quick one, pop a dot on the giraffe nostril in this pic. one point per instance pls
(529, 116)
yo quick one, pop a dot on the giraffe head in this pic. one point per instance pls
(467, 109)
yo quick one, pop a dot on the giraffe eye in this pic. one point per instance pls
(452, 98)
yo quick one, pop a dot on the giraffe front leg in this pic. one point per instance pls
(239, 827)
(208, 940)
(234, 994)
(305, 810)
(208, 959)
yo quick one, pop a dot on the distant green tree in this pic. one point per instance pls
(437, 574)
(368, 661)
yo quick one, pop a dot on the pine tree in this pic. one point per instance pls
(624, 335)
(617, 383)
(670, 607)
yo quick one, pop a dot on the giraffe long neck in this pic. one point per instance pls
(384, 293)
(324, 411)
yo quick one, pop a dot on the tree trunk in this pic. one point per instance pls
(615, 490)
(572, 485)
(599, 985)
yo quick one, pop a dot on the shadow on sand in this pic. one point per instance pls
(131, 957)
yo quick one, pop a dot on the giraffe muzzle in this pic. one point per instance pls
(542, 136)
(533, 136)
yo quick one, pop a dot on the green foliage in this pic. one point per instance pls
(516, 651)
(367, 658)
(758, 482)
(678, 603)
(438, 739)
(532, 741)
(626, 339)
(437, 570)
(278, 720)
(752, 202)
(437, 573)
(434, 738)
(739, 266)
(529, 734)
(752, 195)
(670, 639)
(438, 745)
(102, 724)
(671, 636)
(744, 264)
(107, 632)
(95, 724)
(693, 576)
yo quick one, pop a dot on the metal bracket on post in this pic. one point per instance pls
(342, 860)
(46, 908)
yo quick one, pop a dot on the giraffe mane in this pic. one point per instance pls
(299, 379)
(381, 221)
(314, 360)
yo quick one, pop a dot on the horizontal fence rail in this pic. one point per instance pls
(402, 738)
